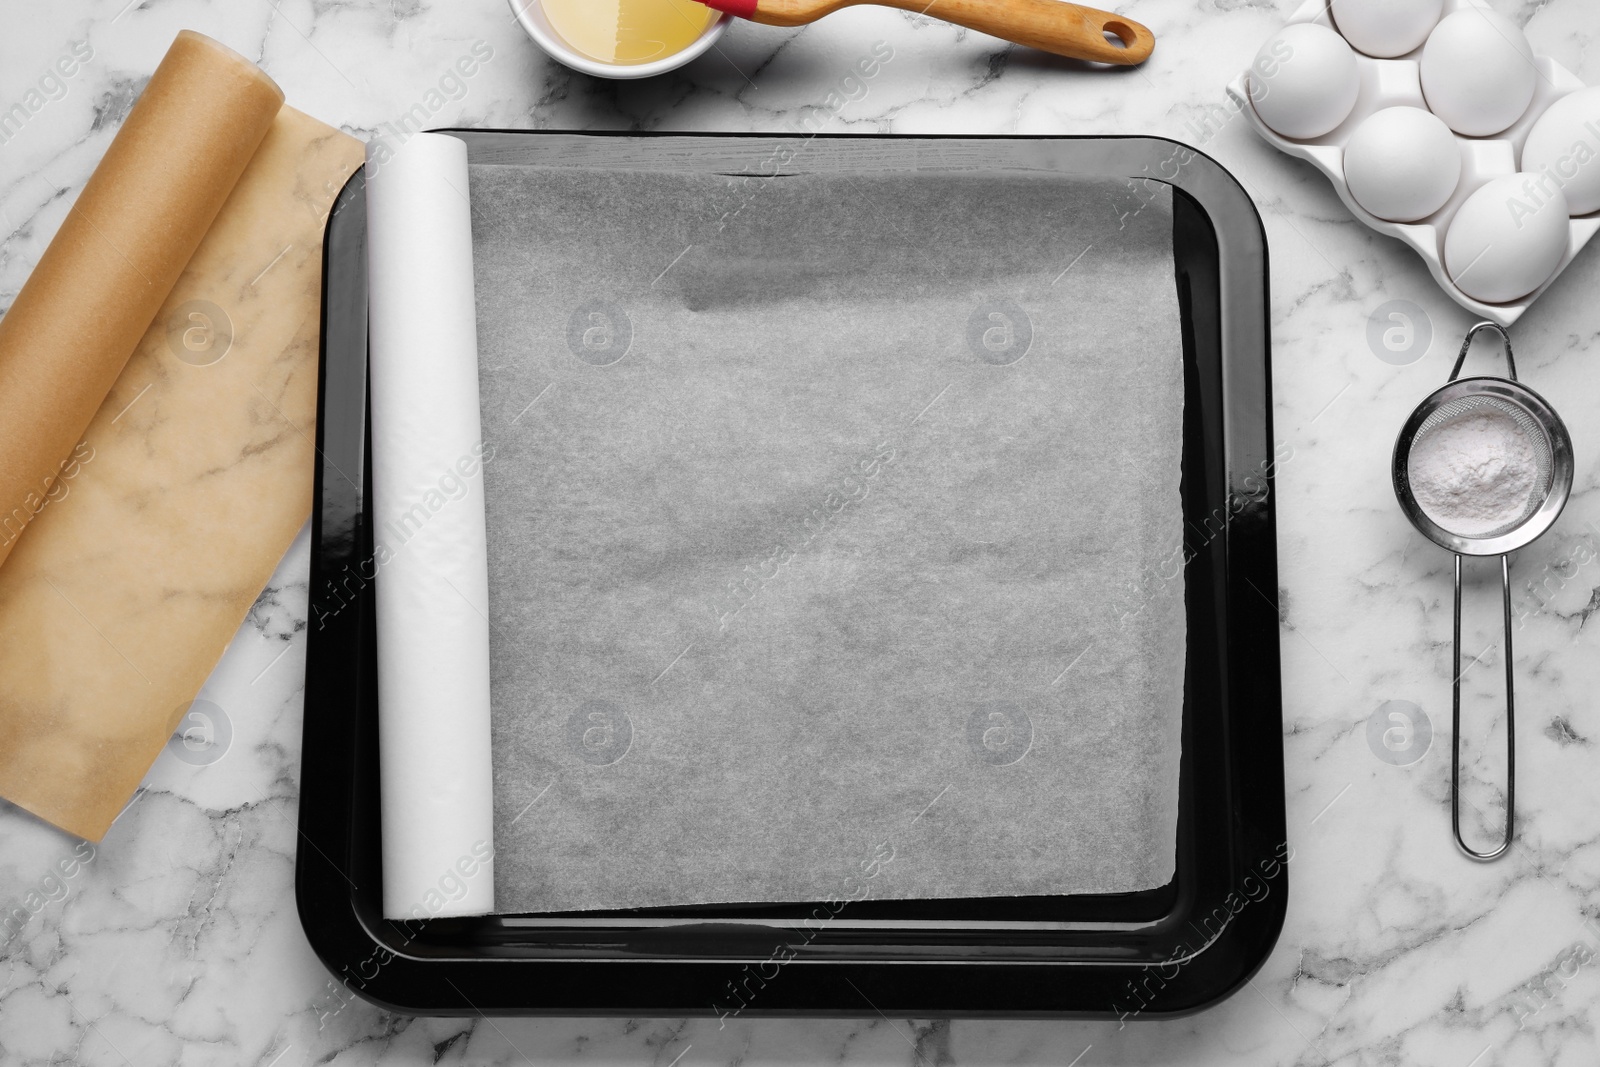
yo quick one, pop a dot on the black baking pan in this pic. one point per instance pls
(1159, 953)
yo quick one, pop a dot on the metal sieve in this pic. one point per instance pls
(1552, 483)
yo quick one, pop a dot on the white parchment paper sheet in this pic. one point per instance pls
(821, 526)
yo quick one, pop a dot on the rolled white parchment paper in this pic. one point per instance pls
(428, 535)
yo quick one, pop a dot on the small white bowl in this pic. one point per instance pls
(531, 14)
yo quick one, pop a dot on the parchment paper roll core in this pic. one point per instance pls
(429, 541)
(117, 255)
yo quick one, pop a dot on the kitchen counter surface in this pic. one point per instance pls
(176, 939)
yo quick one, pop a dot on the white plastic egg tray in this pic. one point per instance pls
(1397, 83)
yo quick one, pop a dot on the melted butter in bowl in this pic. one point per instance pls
(628, 31)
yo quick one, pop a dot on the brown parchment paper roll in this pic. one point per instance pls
(115, 258)
(193, 478)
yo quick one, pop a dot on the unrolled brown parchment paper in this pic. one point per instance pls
(820, 542)
(191, 480)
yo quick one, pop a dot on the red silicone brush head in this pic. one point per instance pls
(742, 8)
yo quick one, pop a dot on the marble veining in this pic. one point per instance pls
(176, 939)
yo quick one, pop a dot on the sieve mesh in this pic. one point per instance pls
(1544, 465)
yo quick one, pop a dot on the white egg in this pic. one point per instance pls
(1386, 28)
(1565, 145)
(1304, 81)
(1507, 239)
(1402, 163)
(1478, 72)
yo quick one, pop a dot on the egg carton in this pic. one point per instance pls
(1398, 83)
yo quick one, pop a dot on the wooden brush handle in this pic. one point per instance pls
(1049, 25)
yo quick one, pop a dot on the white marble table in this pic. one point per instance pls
(176, 939)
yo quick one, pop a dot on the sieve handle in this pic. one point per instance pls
(1511, 364)
(1511, 723)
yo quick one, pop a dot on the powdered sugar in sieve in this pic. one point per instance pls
(1480, 466)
